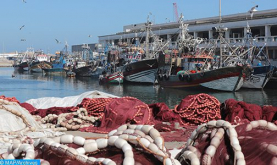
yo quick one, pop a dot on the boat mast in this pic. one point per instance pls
(220, 35)
(219, 11)
(147, 26)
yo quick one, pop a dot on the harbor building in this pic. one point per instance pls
(79, 49)
(263, 26)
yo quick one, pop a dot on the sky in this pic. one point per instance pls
(82, 21)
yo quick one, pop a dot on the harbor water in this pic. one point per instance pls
(25, 86)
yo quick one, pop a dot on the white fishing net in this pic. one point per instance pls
(48, 102)
(10, 122)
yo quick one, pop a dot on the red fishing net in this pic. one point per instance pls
(52, 110)
(123, 110)
(161, 112)
(178, 123)
(232, 109)
(95, 107)
(269, 113)
(198, 109)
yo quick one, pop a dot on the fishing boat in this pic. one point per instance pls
(211, 73)
(36, 67)
(114, 78)
(272, 81)
(57, 66)
(259, 61)
(40, 61)
(224, 79)
(23, 64)
(259, 77)
(113, 71)
(83, 69)
(86, 66)
(141, 68)
(141, 71)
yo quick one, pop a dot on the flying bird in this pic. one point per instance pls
(24, 1)
(23, 40)
(21, 27)
(252, 10)
(57, 41)
(89, 35)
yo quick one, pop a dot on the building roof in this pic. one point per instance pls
(209, 20)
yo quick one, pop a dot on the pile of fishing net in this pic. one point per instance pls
(215, 142)
(219, 142)
(233, 111)
(246, 139)
(113, 112)
(192, 111)
(15, 118)
(128, 144)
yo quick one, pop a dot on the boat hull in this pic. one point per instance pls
(259, 78)
(36, 67)
(54, 71)
(97, 72)
(115, 78)
(85, 71)
(22, 66)
(141, 71)
(224, 79)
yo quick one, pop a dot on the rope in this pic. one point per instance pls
(95, 107)
(202, 108)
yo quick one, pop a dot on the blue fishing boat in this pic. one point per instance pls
(57, 66)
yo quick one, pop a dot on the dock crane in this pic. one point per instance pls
(176, 12)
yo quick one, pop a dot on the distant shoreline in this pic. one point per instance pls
(5, 63)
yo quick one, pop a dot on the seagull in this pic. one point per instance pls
(21, 27)
(24, 1)
(23, 40)
(57, 41)
(89, 35)
(252, 10)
